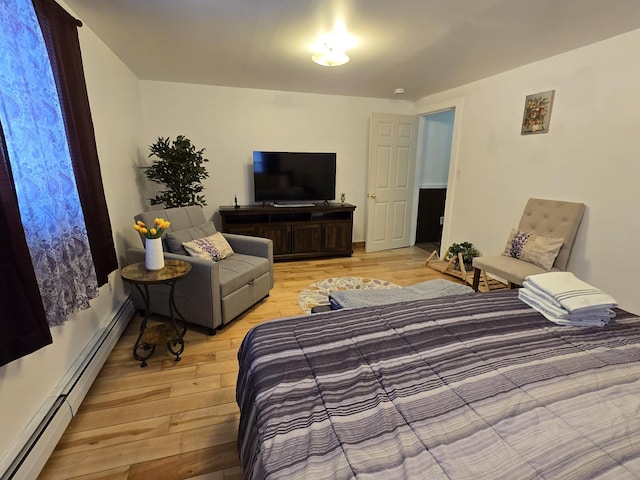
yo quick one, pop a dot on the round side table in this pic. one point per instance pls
(169, 334)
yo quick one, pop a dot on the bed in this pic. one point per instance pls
(478, 386)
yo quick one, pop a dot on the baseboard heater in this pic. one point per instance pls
(32, 457)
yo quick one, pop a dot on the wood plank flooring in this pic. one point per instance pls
(178, 420)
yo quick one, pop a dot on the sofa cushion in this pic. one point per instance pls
(238, 270)
(507, 268)
(214, 247)
(176, 238)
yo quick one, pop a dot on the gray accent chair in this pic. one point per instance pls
(214, 293)
(547, 218)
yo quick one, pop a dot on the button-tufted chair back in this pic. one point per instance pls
(553, 218)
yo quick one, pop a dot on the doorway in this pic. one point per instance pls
(434, 162)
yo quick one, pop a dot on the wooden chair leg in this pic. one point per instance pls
(486, 281)
(476, 278)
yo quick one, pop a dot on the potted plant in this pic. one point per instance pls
(179, 166)
(467, 250)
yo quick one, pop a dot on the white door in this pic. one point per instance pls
(393, 144)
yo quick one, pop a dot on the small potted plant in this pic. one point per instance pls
(179, 166)
(467, 250)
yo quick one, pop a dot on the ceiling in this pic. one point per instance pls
(422, 46)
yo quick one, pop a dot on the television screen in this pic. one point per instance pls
(294, 176)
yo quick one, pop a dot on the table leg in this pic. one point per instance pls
(145, 347)
(173, 310)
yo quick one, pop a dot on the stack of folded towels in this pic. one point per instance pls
(566, 300)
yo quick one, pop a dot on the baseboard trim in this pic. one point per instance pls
(55, 415)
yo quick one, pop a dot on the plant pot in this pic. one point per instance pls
(153, 254)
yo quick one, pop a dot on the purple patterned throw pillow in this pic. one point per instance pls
(516, 243)
(531, 248)
(214, 247)
(209, 248)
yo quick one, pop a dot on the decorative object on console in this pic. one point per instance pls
(318, 293)
(179, 167)
(153, 253)
(537, 112)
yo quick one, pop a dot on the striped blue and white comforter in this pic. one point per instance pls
(469, 387)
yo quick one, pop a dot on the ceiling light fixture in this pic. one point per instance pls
(330, 57)
(399, 91)
(329, 50)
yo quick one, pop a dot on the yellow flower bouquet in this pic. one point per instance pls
(156, 231)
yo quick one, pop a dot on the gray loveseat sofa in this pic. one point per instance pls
(214, 293)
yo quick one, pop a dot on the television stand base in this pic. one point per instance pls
(282, 205)
(297, 233)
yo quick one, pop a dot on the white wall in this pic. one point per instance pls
(437, 130)
(591, 154)
(29, 384)
(232, 122)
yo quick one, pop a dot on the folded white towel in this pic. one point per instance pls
(570, 292)
(594, 317)
(543, 297)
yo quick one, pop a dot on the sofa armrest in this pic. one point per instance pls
(197, 295)
(255, 246)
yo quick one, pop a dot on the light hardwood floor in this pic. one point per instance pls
(178, 420)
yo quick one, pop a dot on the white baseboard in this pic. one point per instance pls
(54, 416)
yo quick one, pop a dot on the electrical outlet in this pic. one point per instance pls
(110, 279)
(441, 220)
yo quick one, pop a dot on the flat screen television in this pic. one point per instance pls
(292, 177)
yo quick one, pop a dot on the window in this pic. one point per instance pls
(40, 177)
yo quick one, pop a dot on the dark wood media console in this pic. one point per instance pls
(323, 230)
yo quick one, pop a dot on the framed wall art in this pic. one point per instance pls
(537, 112)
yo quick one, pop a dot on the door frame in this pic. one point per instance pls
(455, 172)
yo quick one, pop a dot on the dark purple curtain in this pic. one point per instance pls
(22, 318)
(60, 31)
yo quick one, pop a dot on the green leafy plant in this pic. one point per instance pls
(179, 166)
(467, 250)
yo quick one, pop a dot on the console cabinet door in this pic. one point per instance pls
(250, 230)
(337, 237)
(281, 236)
(306, 238)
